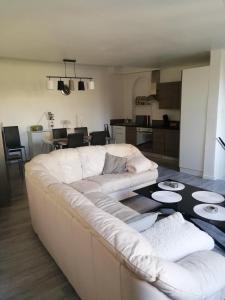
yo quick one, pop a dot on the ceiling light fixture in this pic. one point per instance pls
(81, 86)
(66, 89)
(91, 84)
(50, 84)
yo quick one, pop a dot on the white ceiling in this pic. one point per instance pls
(144, 33)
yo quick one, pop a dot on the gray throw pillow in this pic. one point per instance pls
(114, 164)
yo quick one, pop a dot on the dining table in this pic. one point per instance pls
(62, 142)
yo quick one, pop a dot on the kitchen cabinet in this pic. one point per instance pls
(119, 134)
(166, 142)
(131, 135)
(172, 139)
(158, 141)
(169, 95)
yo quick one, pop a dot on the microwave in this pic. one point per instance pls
(143, 120)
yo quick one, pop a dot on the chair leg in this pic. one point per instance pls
(21, 168)
(25, 154)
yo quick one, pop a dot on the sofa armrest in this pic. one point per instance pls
(139, 164)
(197, 276)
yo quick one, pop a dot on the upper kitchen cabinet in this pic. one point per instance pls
(169, 95)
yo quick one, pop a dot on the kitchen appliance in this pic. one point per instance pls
(143, 120)
(143, 135)
(166, 122)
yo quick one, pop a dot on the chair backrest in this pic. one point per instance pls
(11, 136)
(75, 140)
(59, 133)
(98, 138)
(83, 130)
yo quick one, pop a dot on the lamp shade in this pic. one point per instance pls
(91, 84)
(50, 84)
(71, 84)
(60, 85)
(81, 86)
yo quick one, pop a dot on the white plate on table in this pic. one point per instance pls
(162, 186)
(166, 197)
(201, 210)
(208, 197)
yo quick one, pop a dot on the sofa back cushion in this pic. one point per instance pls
(122, 150)
(64, 165)
(92, 160)
(69, 165)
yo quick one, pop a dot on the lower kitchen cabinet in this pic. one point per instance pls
(158, 143)
(131, 135)
(166, 142)
(172, 139)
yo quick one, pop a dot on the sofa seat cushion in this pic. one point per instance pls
(111, 206)
(173, 238)
(112, 182)
(85, 186)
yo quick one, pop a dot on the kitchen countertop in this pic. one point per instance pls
(153, 127)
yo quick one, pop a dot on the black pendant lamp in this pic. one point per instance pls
(81, 86)
(60, 85)
(66, 87)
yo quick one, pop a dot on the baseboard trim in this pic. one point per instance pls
(209, 177)
(191, 172)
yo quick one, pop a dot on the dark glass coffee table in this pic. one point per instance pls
(185, 206)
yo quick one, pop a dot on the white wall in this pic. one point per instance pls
(214, 163)
(24, 97)
(220, 131)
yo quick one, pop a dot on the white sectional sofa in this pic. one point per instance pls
(76, 213)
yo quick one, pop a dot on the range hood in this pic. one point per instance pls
(147, 100)
(154, 80)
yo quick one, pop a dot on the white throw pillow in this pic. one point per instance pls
(173, 238)
(139, 164)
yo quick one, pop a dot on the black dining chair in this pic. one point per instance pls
(75, 140)
(98, 138)
(12, 143)
(59, 133)
(83, 130)
(12, 158)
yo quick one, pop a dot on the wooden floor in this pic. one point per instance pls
(26, 269)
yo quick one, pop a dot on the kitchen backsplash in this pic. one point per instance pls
(156, 113)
